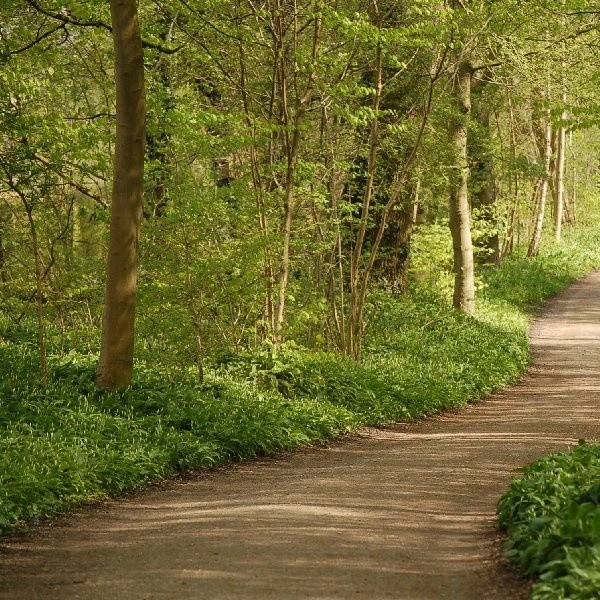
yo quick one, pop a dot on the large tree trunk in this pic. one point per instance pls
(116, 354)
(460, 214)
(398, 236)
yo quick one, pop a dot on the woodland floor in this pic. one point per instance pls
(405, 512)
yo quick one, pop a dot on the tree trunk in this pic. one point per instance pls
(571, 199)
(561, 146)
(39, 294)
(513, 188)
(116, 355)
(259, 189)
(460, 217)
(534, 245)
(291, 144)
(357, 284)
(399, 234)
(484, 196)
(3, 253)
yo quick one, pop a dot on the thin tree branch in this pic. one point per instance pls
(69, 181)
(39, 39)
(67, 18)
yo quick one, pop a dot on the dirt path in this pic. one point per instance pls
(404, 513)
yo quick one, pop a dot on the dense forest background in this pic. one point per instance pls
(232, 227)
(304, 161)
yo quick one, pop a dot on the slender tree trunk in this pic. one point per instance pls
(534, 245)
(484, 196)
(561, 147)
(292, 146)
(3, 254)
(157, 142)
(513, 218)
(259, 190)
(460, 213)
(116, 355)
(337, 288)
(360, 275)
(513, 188)
(572, 199)
(39, 294)
(355, 318)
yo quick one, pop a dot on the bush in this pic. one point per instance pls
(552, 516)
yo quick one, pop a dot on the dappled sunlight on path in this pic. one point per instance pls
(404, 513)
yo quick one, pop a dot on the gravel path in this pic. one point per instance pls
(404, 513)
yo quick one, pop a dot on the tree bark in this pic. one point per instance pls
(3, 253)
(39, 294)
(561, 145)
(291, 144)
(571, 199)
(460, 214)
(534, 245)
(396, 264)
(259, 190)
(116, 355)
(357, 291)
(484, 196)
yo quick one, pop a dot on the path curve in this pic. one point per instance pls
(404, 513)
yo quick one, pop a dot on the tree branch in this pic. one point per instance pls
(67, 19)
(39, 39)
(69, 181)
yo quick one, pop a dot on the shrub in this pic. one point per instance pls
(552, 516)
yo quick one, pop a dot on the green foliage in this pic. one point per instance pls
(524, 282)
(440, 358)
(69, 443)
(552, 515)
(325, 377)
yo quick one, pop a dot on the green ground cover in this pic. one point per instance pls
(552, 516)
(69, 443)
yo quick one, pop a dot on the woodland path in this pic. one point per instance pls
(404, 513)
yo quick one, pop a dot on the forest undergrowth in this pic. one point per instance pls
(69, 443)
(552, 517)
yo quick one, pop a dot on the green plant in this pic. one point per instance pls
(552, 516)
(69, 443)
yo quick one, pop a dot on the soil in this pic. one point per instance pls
(405, 512)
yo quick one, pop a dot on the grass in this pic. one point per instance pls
(68, 443)
(552, 516)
